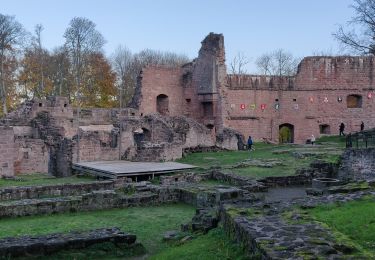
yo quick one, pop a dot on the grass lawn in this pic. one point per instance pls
(329, 149)
(42, 179)
(356, 220)
(214, 245)
(148, 223)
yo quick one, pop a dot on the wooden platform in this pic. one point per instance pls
(116, 169)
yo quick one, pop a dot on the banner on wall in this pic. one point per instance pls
(369, 95)
(325, 100)
(242, 106)
(295, 106)
(339, 99)
(277, 106)
(311, 99)
(262, 106)
(252, 106)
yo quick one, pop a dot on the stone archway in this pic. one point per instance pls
(162, 104)
(286, 133)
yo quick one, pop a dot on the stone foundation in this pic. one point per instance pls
(27, 246)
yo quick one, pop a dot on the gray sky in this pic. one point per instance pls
(252, 27)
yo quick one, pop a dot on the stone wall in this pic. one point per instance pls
(32, 156)
(357, 164)
(313, 102)
(38, 246)
(7, 151)
(35, 192)
(161, 81)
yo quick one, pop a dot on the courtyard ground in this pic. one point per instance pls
(150, 223)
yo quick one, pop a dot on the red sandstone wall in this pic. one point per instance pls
(95, 146)
(306, 119)
(32, 156)
(160, 80)
(343, 72)
(7, 151)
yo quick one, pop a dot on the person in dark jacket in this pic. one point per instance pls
(362, 126)
(342, 128)
(250, 144)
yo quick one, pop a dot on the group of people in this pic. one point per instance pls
(342, 128)
(312, 139)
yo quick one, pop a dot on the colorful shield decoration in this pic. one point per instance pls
(311, 99)
(242, 106)
(262, 106)
(369, 95)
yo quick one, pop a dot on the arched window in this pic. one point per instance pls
(162, 104)
(354, 101)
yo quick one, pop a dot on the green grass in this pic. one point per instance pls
(148, 223)
(355, 220)
(42, 179)
(214, 245)
(329, 150)
(337, 140)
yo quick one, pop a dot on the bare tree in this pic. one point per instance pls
(360, 33)
(81, 40)
(39, 50)
(264, 64)
(11, 36)
(238, 64)
(278, 62)
(122, 61)
(284, 63)
(164, 58)
(60, 72)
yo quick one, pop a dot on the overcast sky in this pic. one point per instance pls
(252, 27)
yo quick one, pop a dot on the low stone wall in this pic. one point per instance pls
(238, 180)
(182, 178)
(277, 230)
(357, 164)
(202, 149)
(293, 180)
(48, 244)
(96, 200)
(34, 192)
(127, 196)
(208, 197)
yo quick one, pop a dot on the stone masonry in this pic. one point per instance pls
(44, 136)
(325, 92)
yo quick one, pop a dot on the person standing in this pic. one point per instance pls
(362, 126)
(250, 144)
(342, 128)
(312, 139)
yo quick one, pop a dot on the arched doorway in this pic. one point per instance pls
(286, 133)
(162, 104)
